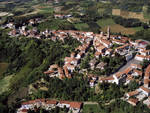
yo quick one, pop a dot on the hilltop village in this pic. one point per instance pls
(133, 52)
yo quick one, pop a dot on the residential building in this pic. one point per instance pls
(133, 101)
(132, 93)
(145, 90)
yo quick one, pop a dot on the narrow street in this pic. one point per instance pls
(132, 61)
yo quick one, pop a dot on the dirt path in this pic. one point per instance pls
(90, 103)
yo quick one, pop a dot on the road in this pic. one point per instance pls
(132, 61)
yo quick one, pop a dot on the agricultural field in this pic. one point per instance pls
(116, 28)
(119, 29)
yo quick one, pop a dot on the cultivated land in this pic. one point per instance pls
(120, 29)
(116, 28)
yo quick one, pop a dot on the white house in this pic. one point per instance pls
(145, 52)
(119, 77)
(140, 57)
(75, 106)
(109, 79)
(50, 104)
(62, 104)
(137, 72)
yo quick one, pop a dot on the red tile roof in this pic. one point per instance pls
(147, 72)
(133, 101)
(132, 93)
(51, 102)
(49, 72)
(76, 105)
(24, 110)
(122, 47)
(64, 102)
(145, 89)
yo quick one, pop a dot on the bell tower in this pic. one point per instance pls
(108, 33)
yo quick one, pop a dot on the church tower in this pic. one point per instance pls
(108, 33)
(102, 34)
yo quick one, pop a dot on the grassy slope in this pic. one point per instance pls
(21, 75)
(82, 26)
(105, 22)
(91, 108)
(4, 83)
(3, 67)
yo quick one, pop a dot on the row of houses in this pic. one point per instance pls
(137, 95)
(147, 77)
(47, 104)
(52, 34)
(143, 55)
(142, 92)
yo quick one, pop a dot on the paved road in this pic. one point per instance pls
(132, 61)
(127, 65)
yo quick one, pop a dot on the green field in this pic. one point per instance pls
(46, 10)
(105, 22)
(4, 83)
(82, 26)
(20, 76)
(91, 108)
(138, 28)
(3, 67)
